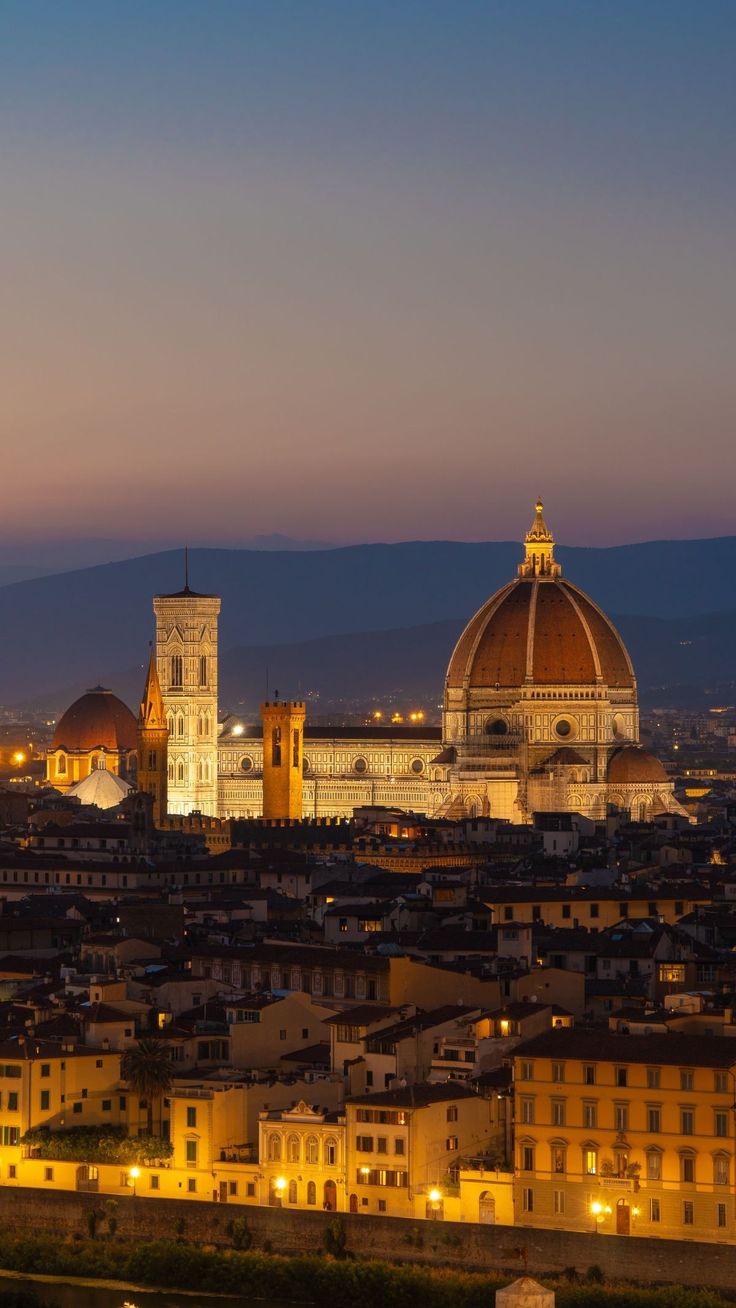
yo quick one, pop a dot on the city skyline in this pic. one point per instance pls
(299, 273)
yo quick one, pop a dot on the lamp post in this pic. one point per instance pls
(133, 1175)
(597, 1210)
(435, 1202)
(279, 1186)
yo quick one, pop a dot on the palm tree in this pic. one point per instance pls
(147, 1069)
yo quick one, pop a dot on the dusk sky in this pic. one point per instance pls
(367, 271)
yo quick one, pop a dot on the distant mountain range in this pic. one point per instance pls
(20, 561)
(355, 620)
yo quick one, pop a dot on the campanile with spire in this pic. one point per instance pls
(153, 737)
(186, 661)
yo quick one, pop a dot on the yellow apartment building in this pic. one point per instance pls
(404, 1147)
(264, 1027)
(47, 1084)
(626, 1135)
(595, 907)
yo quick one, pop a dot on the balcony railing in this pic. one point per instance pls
(485, 1163)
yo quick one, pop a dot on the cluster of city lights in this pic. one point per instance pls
(416, 715)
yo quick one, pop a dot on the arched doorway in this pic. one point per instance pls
(353, 1203)
(623, 1218)
(487, 1209)
(330, 1197)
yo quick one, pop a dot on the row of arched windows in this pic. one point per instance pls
(176, 722)
(293, 1192)
(293, 1152)
(176, 670)
(591, 1165)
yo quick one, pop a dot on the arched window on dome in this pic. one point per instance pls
(61, 765)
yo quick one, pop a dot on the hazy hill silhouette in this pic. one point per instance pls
(93, 624)
(679, 652)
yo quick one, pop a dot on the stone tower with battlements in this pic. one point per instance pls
(283, 758)
(186, 660)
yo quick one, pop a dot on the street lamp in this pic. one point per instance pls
(279, 1186)
(133, 1174)
(435, 1202)
(597, 1211)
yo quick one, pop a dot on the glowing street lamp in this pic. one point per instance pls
(133, 1175)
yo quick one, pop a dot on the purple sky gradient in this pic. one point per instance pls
(367, 272)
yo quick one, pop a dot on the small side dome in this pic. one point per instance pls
(97, 720)
(102, 788)
(633, 765)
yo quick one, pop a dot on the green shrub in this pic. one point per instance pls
(241, 1236)
(341, 1282)
(335, 1238)
(96, 1144)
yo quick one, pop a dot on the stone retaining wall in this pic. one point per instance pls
(510, 1249)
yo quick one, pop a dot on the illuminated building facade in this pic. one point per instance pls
(186, 657)
(627, 1135)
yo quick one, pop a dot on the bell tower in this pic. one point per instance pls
(153, 736)
(283, 756)
(186, 661)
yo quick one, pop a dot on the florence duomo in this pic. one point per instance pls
(540, 714)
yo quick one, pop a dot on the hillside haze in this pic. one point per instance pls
(68, 631)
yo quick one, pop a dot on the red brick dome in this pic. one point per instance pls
(98, 719)
(542, 630)
(539, 630)
(633, 765)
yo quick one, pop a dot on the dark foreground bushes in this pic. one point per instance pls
(343, 1283)
(21, 1299)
